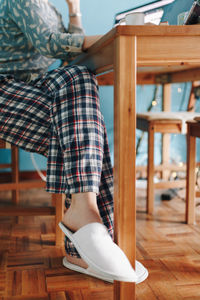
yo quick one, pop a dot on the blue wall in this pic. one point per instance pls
(98, 15)
(98, 18)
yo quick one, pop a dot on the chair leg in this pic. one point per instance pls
(191, 179)
(58, 199)
(165, 155)
(150, 171)
(15, 172)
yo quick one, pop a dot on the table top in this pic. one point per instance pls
(165, 53)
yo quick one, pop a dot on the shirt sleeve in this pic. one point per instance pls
(42, 25)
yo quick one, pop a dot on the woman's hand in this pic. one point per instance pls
(72, 1)
(74, 6)
(74, 12)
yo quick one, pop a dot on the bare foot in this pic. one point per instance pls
(83, 210)
(76, 261)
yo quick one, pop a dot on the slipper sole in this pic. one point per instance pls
(143, 273)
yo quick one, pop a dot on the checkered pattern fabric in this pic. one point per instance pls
(58, 116)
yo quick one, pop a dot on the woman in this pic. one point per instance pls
(57, 114)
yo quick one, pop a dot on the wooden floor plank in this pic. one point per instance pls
(29, 297)
(57, 296)
(31, 266)
(60, 283)
(189, 291)
(2, 283)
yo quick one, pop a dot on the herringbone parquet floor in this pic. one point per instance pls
(31, 266)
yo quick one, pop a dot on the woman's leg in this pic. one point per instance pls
(82, 211)
(79, 127)
(24, 115)
(104, 202)
(60, 111)
(100, 204)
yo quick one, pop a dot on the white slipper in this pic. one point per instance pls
(141, 272)
(102, 255)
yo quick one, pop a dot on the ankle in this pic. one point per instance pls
(83, 210)
(84, 201)
(85, 204)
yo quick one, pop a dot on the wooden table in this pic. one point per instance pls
(143, 55)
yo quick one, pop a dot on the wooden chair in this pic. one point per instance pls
(16, 185)
(165, 123)
(193, 132)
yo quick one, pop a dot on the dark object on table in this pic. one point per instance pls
(193, 16)
(166, 197)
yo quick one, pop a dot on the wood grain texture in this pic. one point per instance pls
(31, 266)
(166, 106)
(124, 154)
(165, 54)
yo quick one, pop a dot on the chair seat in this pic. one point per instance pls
(165, 123)
(165, 115)
(180, 116)
(197, 119)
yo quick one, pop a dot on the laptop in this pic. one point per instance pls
(153, 12)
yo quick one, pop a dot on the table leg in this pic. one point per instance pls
(124, 156)
(15, 173)
(150, 170)
(191, 178)
(58, 201)
(166, 106)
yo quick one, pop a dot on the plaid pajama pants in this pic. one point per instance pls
(58, 115)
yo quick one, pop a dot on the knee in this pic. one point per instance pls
(79, 77)
(76, 83)
(81, 74)
(79, 70)
(82, 82)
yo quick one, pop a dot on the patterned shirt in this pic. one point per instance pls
(32, 36)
